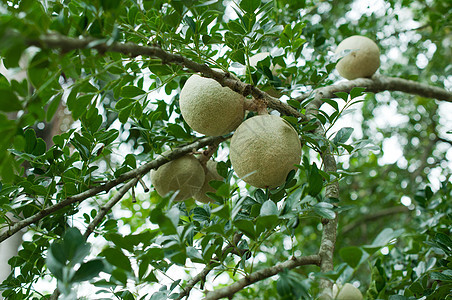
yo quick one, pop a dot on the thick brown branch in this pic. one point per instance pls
(328, 241)
(131, 49)
(109, 185)
(381, 214)
(261, 275)
(380, 83)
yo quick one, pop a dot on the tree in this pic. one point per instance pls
(352, 213)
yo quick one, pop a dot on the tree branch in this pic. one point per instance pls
(262, 274)
(178, 152)
(108, 206)
(328, 239)
(231, 248)
(131, 49)
(379, 83)
(381, 214)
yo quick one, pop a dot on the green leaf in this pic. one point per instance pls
(269, 208)
(222, 169)
(30, 140)
(131, 91)
(315, 181)
(40, 147)
(53, 107)
(356, 92)
(119, 241)
(54, 264)
(74, 245)
(342, 135)
(200, 215)
(351, 255)
(324, 210)
(191, 24)
(88, 270)
(294, 103)
(194, 255)
(342, 95)
(124, 114)
(250, 6)
(177, 131)
(117, 258)
(260, 196)
(9, 102)
(266, 222)
(165, 224)
(79, 106)
(332, 103)
(247, 227)
(124, 102)
(441, 276)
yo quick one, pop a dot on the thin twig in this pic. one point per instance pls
(381, 214)
(201, 276)
(103, 210)
(143, 184)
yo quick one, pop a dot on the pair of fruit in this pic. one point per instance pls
(264, 148)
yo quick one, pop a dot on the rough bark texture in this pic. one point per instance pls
(379, 83)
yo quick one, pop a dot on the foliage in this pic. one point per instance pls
(123, 111)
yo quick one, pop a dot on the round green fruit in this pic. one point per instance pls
(349, 292)
(211, 174)
(363, 59)
(184, 175)
(264, 149)
(210, 108)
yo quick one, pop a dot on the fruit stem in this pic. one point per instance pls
(207, 154)
(257, 105)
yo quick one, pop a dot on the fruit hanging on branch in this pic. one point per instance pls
(210, 108)
(363, 59)
(264, 149)
(211, 174)
(347, 292)
(184, 175)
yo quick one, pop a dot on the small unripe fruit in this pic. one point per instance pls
(362, 61)
(211, 174)
(185, 175)
(209, 108)
(349, 292)
(264, 149)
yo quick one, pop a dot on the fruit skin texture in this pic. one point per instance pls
(349, 292)
(362, 61)
(209, 108)
(264, 149)
(211, 174)
(184, 174)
